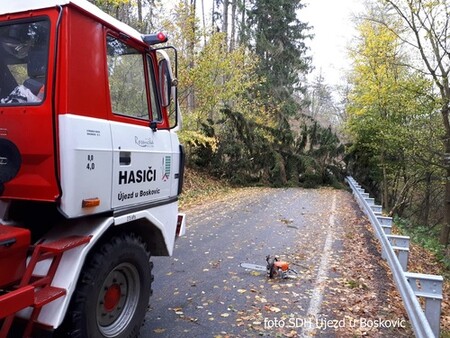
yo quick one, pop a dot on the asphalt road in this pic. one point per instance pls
(203, 292)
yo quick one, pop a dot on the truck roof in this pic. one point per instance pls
(16, 6)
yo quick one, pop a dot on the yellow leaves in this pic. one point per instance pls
(273, 309)
(376, 68)
(255, 273)
(210, 77)
(196, 138)
(159, 330)
(260, 299)
(378, 44)
(217, 76)
(387, 106)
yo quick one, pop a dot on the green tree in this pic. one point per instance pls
(203, 91)
(390, 110)
(278, 38)
(425, 29)
(279, 41)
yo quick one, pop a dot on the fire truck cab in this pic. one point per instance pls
(90, 169)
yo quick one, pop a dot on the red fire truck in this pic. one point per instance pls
(90, 169)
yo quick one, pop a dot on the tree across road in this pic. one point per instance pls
(342, 288)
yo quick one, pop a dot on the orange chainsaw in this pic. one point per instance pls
(274, 268)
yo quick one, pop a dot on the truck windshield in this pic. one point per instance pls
(23, 62)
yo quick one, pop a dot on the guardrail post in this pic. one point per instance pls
(369, 200)
(400, 244)
(402, 255)
(428, 287)
(377, 209)
(386, 224)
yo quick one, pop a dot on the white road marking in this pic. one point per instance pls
(317, 294)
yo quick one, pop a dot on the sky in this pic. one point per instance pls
(333, 28)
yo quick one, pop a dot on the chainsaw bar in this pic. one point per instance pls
(254, 267)
(283, 271)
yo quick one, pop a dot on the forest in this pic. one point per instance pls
(252, 114)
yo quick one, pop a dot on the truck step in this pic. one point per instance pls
(47, 295)
(65, 244)
(40, 292)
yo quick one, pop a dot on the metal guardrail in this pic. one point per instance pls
(395, 249)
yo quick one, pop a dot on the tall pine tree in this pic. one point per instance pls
(278, 38)
(279, 41)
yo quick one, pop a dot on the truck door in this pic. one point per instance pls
(142, 154)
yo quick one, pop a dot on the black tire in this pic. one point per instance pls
(113, 291)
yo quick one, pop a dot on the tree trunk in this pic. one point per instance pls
(233, 26)
(425, 216)
(149, 25)
(204, 22)
(191, 52)
(242, 26)
(225, 19)
(213, 20)
(445, 232)
(446, 227)
(385, 193)
(140, 20)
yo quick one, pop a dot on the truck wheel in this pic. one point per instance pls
(113, 291)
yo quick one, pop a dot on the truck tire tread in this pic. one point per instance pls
(116, 249)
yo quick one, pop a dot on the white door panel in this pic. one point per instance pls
(142, 165)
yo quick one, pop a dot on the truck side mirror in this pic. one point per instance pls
(165, 83)
(168, 85)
